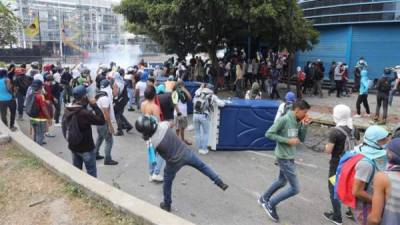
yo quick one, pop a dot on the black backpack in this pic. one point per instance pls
(32, 109)
(70, 128)
(385, 85)
(24, 82)
(100, 94)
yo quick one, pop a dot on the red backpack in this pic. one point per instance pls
(345, 175)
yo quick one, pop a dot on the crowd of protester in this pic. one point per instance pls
(99, 98)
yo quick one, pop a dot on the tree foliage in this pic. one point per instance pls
(191, 26)
(8, 26)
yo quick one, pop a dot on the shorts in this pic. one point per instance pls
(181, 122)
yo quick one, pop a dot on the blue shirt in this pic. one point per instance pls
(5, 94)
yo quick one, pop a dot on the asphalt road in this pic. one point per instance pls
(195, 198)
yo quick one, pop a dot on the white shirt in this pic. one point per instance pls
(182, 108)
(106, 102)
(141, 86)
(281, 110)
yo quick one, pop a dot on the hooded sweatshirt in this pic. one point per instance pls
(85, 118)
(364, 82)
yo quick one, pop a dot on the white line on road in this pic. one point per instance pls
(273, 157)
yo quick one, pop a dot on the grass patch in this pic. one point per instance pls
(115, 217)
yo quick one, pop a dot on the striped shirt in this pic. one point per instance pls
(391, 214)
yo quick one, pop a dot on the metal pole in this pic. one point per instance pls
(60, 27)
(22, 25)
(97, 31)
(91, 25)
(40, 39)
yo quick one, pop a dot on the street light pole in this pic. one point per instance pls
(22, 25)
(60, 21)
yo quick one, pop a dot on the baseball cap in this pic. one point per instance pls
(79, 91)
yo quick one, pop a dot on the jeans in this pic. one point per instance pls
(392, 93)
(317, 88)
(287, 173)
(190, 159)
(201, 128)
(67, 93)
(57, 106)
(20, 103)
(131, 96)
(104, 134)
(239, 88)
(12, 106)
(363, 98)
(89, 158)
(274, 91)
(39, 129)
(156, 169)
(336, 206)
(122, 122)
(382, 98)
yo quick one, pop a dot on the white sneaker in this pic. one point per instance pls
(203, 151)
(357, 116)
(367, 115)
(57, 124)
(157, 177)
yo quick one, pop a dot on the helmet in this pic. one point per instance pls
(3, 72)
(387, 71)
(35, 65)
(130, 70)
(146, 125)
(85, 71)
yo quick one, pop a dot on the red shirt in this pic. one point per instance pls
(48, 95)
(40, 101)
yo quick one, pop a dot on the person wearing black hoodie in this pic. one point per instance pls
(83, 152)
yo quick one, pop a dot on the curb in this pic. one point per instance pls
(118, 199)
(4, 139)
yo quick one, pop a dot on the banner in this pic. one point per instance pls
(33, 29)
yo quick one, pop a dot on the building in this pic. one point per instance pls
(352, 29)
(70, 26)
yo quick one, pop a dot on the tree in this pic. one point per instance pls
(8, 25)
(191, 26)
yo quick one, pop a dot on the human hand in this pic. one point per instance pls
(92, 101)
(293, 141)
(306, 121)
(111, 130)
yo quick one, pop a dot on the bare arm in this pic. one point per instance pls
(329, 148)
(360, 193)
(107, 118)
(381, 187)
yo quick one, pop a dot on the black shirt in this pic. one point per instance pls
(167, 106)
(66, 77)
(337, 138)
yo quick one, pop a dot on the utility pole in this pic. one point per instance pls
(40, 40)
(22, 25)
(60, 22)
(290, 45)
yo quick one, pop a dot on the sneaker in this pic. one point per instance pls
(367, 115)
(329, 216)
(222, 185)
(57, 124)
(261, 201)
(20, 118)
(357, 116)
(50, 135)
(165, 207)
(129, 129)
(98, 157)
(110, 162)
(349, 214)
(271, 212)
(157, 177)
(13, 128)
(119, 133)
(203, 151)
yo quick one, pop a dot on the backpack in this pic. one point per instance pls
(24, 82)
(32, 109)
(345, 176)
(385, 85)
(202, 102)
(287, 108)
(100, 94)
(350, 142)
(70, 128)
(301, 77)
